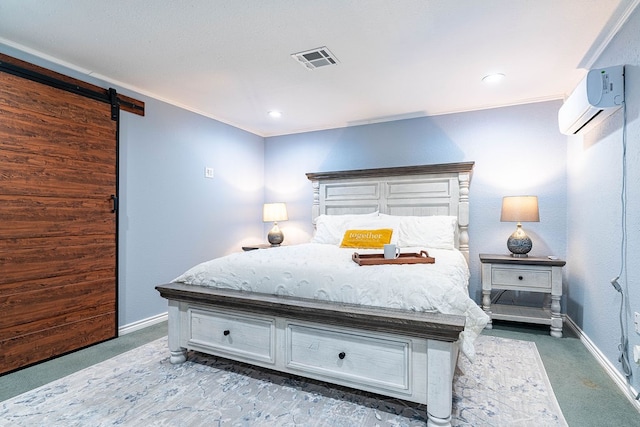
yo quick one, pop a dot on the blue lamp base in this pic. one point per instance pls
(275, 236)
(519, 244)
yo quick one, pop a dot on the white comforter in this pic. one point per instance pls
(326, 272)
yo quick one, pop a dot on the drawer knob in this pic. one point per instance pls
(226, 332)
(342, 355)
(519, 277)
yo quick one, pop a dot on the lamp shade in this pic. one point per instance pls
(520, 209)
(273, 212)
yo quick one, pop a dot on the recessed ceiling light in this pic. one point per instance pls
(274, 114)
(493, 78)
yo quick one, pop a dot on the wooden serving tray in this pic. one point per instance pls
(379, 259)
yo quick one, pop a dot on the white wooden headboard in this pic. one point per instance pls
(441, 189)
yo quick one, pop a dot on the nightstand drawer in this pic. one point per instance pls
(504, 277)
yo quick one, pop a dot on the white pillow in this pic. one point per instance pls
(330, 228)
(436, 232)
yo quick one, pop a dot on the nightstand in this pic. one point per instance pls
(529, 274)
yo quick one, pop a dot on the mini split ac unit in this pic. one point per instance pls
(597, 96)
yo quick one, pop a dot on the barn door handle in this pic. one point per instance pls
(114, 200)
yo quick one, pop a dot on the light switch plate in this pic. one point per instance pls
(208, 172)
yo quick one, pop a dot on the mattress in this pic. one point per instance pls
(326, 272)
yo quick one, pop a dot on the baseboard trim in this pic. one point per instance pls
(141, 324)
(609, 368)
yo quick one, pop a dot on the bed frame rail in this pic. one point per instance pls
(437, 326)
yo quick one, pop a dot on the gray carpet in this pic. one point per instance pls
(506, 386)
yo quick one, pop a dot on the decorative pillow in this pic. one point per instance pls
(331, 228)
(436, 232)
(366, 239)
(381, 221)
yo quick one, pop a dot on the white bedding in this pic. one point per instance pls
(326, 272)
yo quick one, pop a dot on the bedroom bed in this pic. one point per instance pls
(309, 310)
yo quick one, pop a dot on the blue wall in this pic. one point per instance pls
(171, 216)
(594, 213)
(516, 150)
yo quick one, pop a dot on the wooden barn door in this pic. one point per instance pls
(58, 237)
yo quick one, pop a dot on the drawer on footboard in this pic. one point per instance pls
(350, 356)
(237, 335)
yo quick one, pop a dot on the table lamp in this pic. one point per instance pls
(274, 212)
(519, 209)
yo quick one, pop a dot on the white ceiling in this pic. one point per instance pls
(230, 60)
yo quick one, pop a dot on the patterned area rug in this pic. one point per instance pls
(506, 386)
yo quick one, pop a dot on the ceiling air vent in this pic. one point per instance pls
(315, 58)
